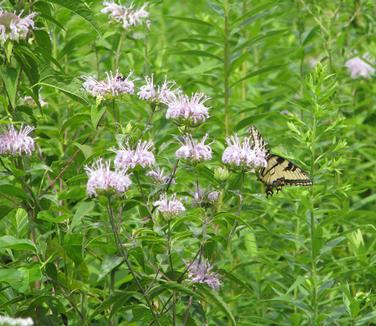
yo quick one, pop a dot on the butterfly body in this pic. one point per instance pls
(278, 172)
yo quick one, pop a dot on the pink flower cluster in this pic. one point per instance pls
(112, 86)
(243, 154)
(359, 69)
(159, 177)
(13, 27)
(194, 150)
(201, 272)
(169, 206)
(187, 110)
(103, 179)
(127, 157)
(13, 142)
(127, 16)
(156, 93)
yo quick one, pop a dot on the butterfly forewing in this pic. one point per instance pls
(280, 172)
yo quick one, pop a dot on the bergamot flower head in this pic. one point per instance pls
(103, 179)
(141, 154)
(169, 207)
(156, 93)
(159, 177)
(187, 110)
(14, 27)
(128, 16)
(243, 154)
(201, 272)
(194, 150)
(358, 68)
(16, 142)
(113, 86)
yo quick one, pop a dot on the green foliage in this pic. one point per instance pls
(305, 256)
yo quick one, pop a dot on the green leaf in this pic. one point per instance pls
(80, 8)
(50, 217)
(10, 242)
(10, 80)
(257, 73)
(13, 191)
(198, 53)
(108, 264)
(96, 115)
(85, 149)
(69, 91)
(212, 296)
(191, 20)
(83, 209)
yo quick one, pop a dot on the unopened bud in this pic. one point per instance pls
(221, 174)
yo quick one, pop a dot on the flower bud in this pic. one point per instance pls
(221, 174)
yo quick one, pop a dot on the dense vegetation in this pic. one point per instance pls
(85, 243)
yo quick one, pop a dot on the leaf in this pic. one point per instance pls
(80, 8)
(257, 73)
(85, 149)
(191, 20)
(69, 91)
(96, 115)
(4, 210)
(10, 190)
(10, 242)
(83, 209)
(10, 79)
(198, 53)
(216, 299)
(50, 217)
(108, 264)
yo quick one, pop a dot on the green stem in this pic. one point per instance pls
(172, 271)
(124, 253)
(118, 50)
(312, 230)
(226, 60)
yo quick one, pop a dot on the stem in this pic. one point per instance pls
(203, 235)
(172, 271)
(240, 206)
(124, 253)
(178, 281)
(226, 60)
(118, 50)
(312, 230)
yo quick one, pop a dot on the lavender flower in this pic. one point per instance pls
(213, 196)
(194, 150)
(102, 178)
(15, 142)
(243, 154)
(126, 157)
(187, 110)
(169, 206)
(156, 93)
(201, 272)
(159, 177)
(112, 86)
(127, 16)
(5, 320)
(358, 68)
(13, 27)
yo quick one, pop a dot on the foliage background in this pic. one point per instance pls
(303, 256)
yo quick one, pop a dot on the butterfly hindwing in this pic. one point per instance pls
(280, 172)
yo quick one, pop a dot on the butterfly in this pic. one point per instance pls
(279, 172)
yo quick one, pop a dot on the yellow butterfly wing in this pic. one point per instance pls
(280, 172)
